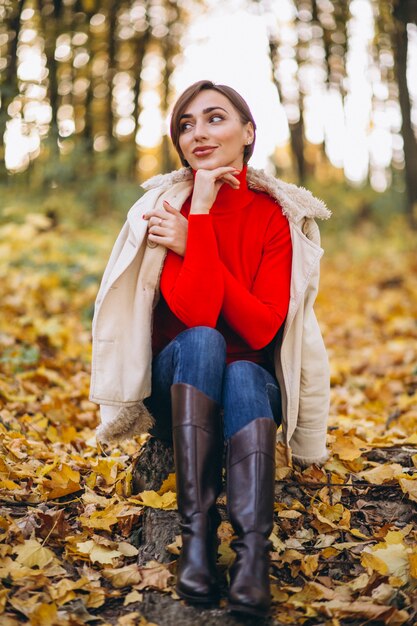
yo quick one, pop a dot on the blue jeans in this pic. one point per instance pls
(197, 357)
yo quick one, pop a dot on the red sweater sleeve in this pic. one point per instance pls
(193, 286)
(257, 315)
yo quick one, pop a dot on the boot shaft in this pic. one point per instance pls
(251, 477)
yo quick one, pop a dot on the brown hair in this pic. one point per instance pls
(190, 93)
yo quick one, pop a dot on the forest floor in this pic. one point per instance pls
(72, 524)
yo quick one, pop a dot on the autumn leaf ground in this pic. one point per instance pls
(345, 537)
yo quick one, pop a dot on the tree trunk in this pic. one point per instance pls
(400, 48)
(50, 29)
(111, 51)
(141, 45)
(9, 88)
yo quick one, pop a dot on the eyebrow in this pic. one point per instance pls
(205, 111)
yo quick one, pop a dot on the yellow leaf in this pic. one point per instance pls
(32, 554)
(372, 562)
(277, 544)
(8, 484)
(168, 501)
(311, 591)
(44, 615)
(133, 596)
(283, 461)
(357, 533)
(127, 549)
(309, 564)
(169, 484)
(107, 469)
(3, 600)
(347, 446)
(97, 553)
(392, 537)
(278, 596)
(382, 473)
(131, 619)
(123, 576)
(154, 575)
(290, 514)
(226, 555)
(102, 520)
(175, 546)
(334, 517)
(392, 553)
(327, 553)
(63, 591)
(409, 486)
(96, 598)
(412, 560)
(360, 582)
(62, 481)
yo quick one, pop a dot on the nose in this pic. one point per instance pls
(200, 130)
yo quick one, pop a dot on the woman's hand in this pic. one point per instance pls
(168, 227)
(207, 184)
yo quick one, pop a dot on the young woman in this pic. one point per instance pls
(205, 321)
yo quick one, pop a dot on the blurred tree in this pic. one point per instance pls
(176, 21)
(286, 55)
(10, 23)
(405, 12)
(51, 12)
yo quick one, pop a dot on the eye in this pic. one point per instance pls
(216, 118)
(185, 126)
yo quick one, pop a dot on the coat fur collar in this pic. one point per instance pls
(296, 202)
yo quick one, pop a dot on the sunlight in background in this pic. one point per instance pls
(361, 134)
(233, 50)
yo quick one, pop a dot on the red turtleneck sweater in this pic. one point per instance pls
(235, 275)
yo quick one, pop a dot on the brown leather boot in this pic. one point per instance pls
(198, 453)
(250, 503)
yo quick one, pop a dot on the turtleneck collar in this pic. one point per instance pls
(229, 199)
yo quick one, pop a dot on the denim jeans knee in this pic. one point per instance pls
(197, 357)
(249, 392)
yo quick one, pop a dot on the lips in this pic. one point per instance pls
(204, 150)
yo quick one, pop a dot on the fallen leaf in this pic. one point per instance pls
(155, 576)
(133, 596)
(123, 576)
(32, 554)
(98, 553)
(168, 501)
(381, 474)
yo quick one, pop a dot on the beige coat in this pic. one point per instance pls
(122, 324)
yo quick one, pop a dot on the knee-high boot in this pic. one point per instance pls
(198, 454)
(250, 502)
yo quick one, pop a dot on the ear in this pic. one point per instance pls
(249, 134)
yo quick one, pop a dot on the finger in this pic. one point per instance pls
(228, 180)
(169, 208)
(231, 179)
(155, 221)
(157, 238)
(157, 229)
(154, 213)
(226, 169)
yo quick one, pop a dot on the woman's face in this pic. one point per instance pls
(211, 132)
